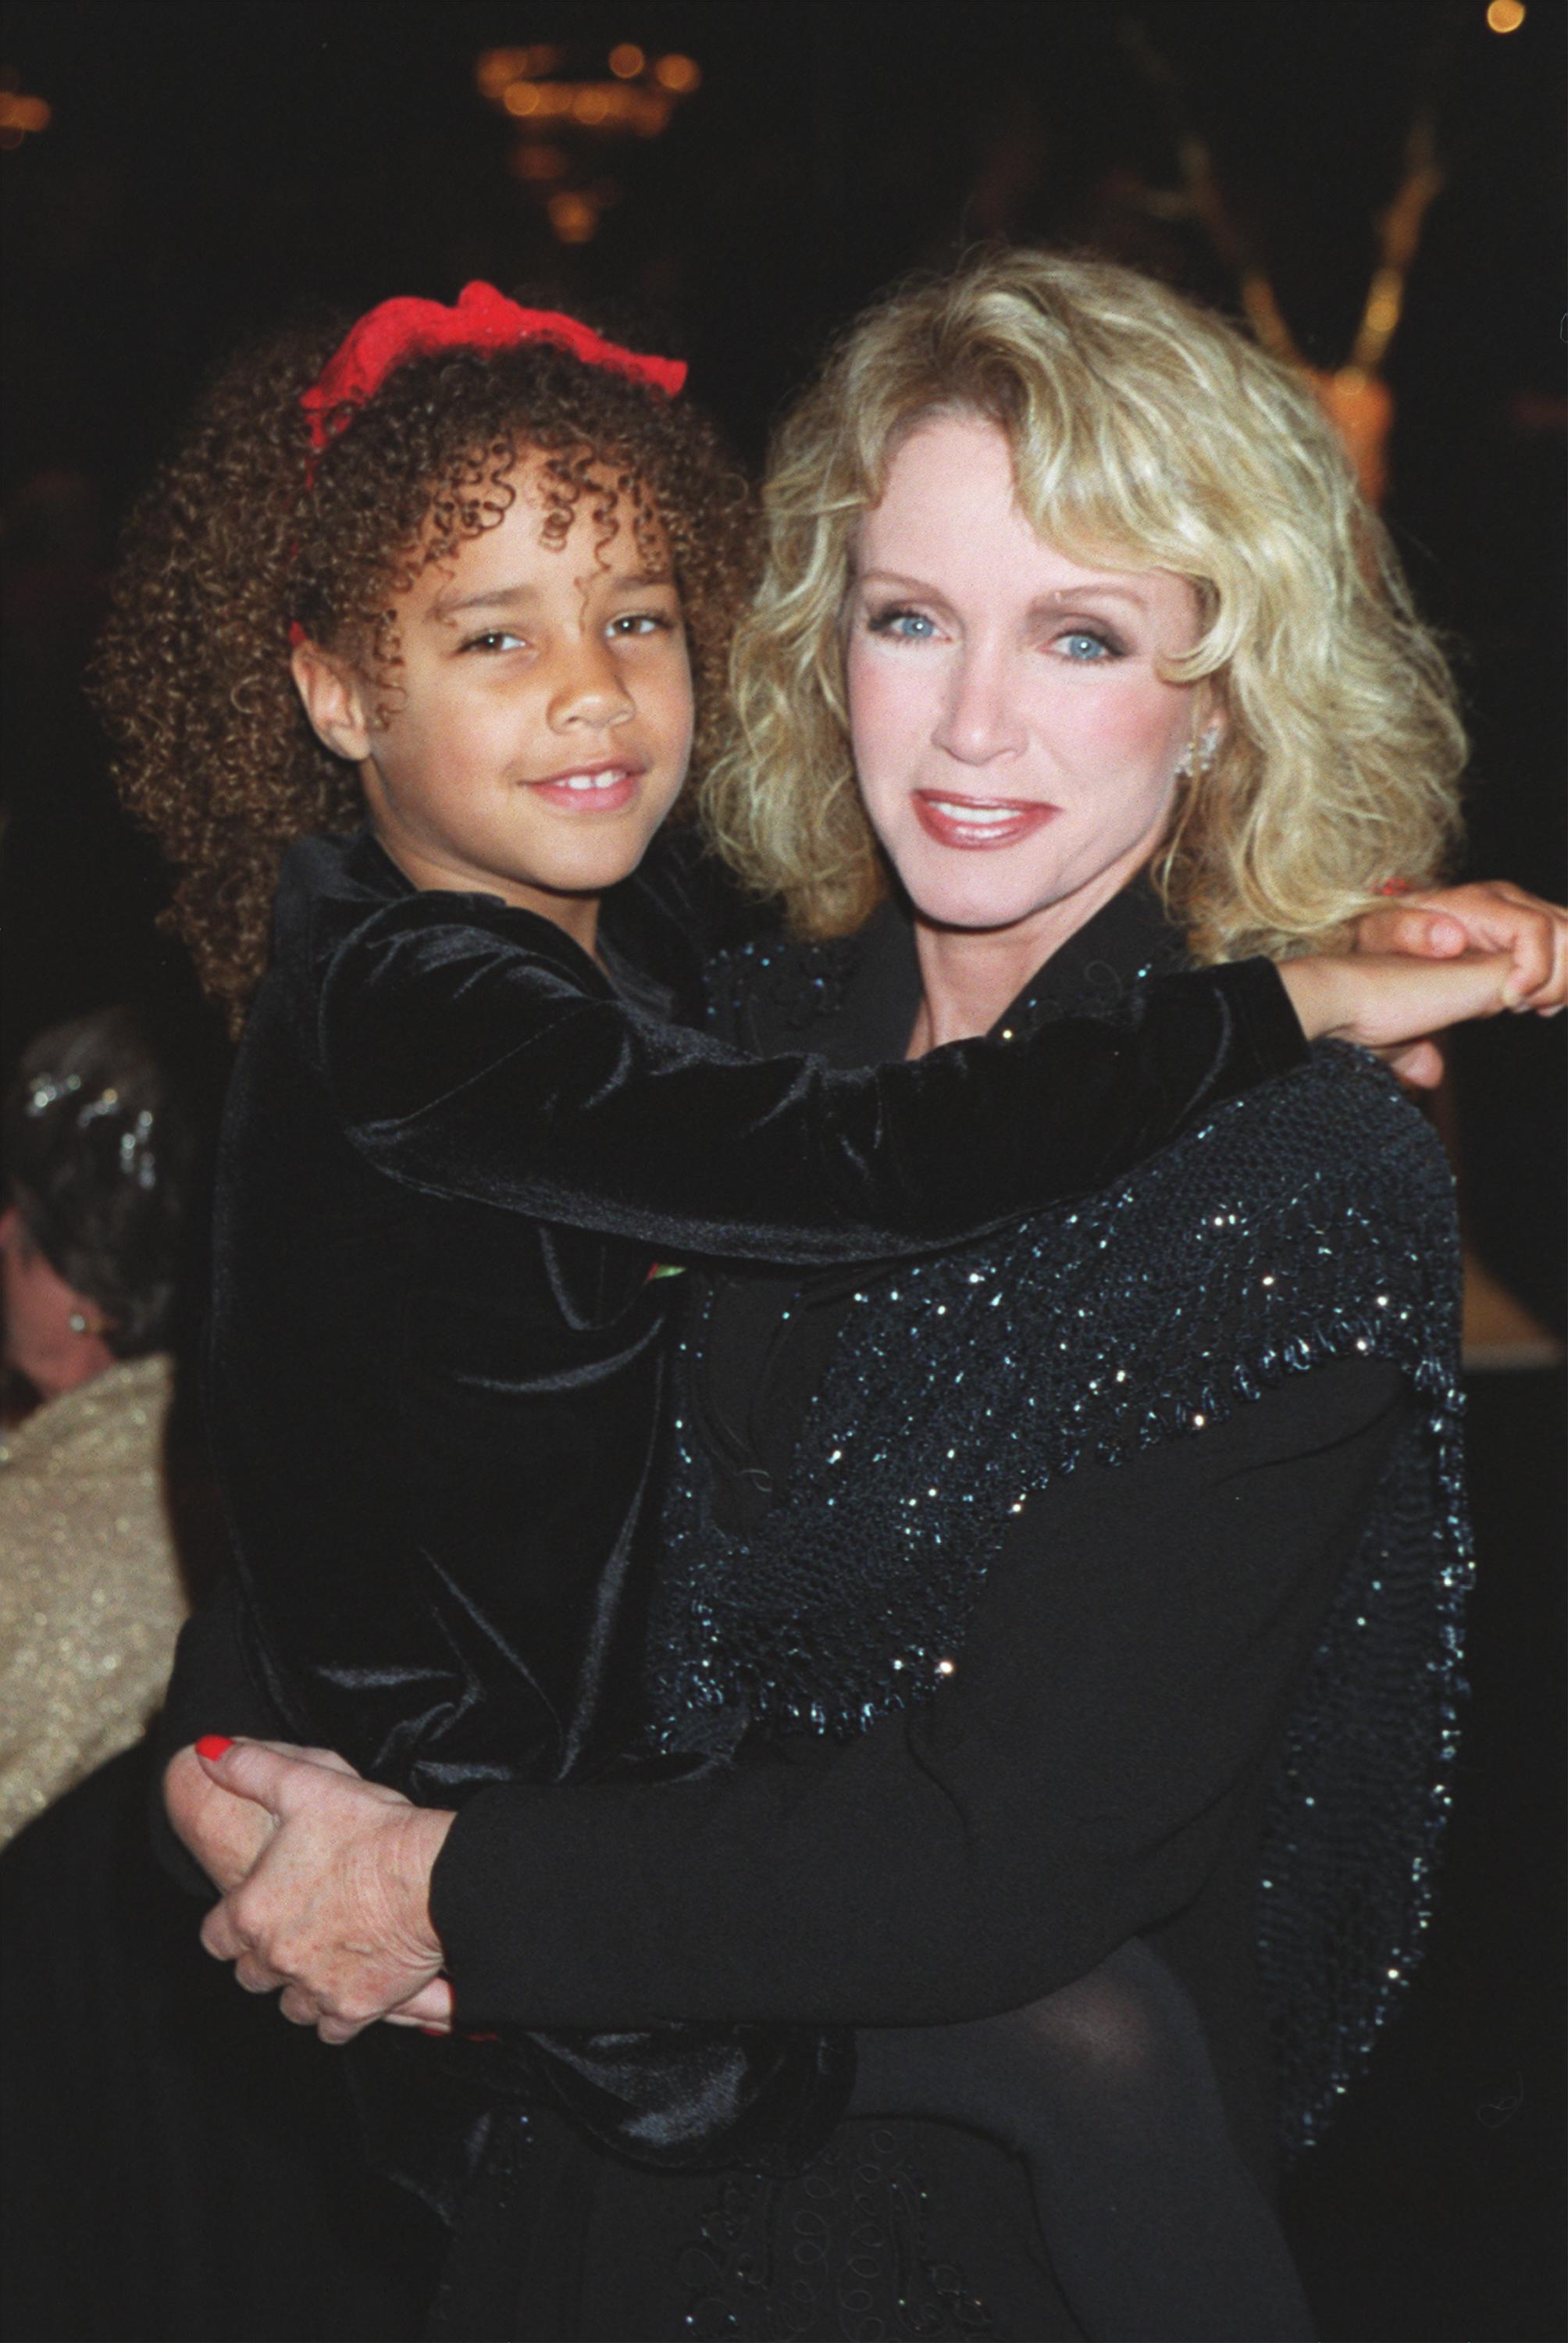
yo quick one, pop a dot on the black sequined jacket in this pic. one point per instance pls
(1114, 1564)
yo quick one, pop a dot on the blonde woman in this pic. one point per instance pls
(1074, 1578)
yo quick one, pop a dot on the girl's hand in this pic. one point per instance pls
(1491, 916)
(1390, 1003)
(336, 1909)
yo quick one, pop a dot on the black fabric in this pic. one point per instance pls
(1106, 2091)
(1125, 1680)
(450, 1155)
(1101, 1763)
(177, 2163)
(452, 1150)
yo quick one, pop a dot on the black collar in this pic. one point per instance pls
(867, 1018)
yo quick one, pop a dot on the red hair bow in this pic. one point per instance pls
(388, 336)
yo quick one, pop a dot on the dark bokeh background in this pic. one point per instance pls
(208, 168)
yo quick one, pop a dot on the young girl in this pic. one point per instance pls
(470, 567)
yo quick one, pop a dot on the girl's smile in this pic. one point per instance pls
(536, 728)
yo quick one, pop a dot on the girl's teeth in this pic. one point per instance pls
(593, 781)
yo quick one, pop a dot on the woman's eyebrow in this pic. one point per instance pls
(1070, 594)
(897, 582)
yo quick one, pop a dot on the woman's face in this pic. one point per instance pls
(1015, 742)
(52, 1336)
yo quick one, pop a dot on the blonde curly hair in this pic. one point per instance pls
(1146, 432)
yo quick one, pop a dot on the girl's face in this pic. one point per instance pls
(1015, 742)
(540, 722)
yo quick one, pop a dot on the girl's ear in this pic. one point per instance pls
(334, 700)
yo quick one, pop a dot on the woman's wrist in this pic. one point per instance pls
(411, 1860)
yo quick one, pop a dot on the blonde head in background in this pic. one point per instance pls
(1146, 432)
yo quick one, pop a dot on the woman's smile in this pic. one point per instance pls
(968, 823)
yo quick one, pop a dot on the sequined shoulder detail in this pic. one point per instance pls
(1310, 1221)
(788, 987)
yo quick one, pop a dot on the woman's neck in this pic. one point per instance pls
(969, 976)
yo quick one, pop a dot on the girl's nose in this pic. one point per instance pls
(590, 689)
(978, 720)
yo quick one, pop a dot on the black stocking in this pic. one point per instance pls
(1105, 2090)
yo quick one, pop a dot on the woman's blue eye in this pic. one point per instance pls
(904, 626)
(1084, 648)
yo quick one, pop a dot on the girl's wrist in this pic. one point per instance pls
(1314, 985)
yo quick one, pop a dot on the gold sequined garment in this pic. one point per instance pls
(90, 1593)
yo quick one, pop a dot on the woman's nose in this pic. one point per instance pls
(978, 720)
(590, 689)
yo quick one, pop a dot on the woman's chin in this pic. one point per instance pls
(978, 900)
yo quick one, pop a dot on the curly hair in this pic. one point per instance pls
(1145, 433)
(243, 534)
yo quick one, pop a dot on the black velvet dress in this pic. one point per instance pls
(454, 1150)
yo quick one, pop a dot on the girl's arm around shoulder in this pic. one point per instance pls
(472, 1051)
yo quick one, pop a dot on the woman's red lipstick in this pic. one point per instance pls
(970, 821)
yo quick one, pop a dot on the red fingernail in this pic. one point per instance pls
(213, 1744)
(438, 2031)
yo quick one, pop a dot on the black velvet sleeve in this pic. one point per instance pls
(212, 1689)
(1071, 1785)
(482, 1055)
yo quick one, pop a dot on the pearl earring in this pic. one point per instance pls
(1199, 751)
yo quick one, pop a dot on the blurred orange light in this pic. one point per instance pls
(537, 163)
(1505, 15)
(573, 217)
(652, 113)
(681, 75)
(497, 68)
(521, 98)
(627, 61)
(18, 116)
(590, 105)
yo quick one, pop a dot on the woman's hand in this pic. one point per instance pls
(1390, 1003)
(337, 1907)
(1491, 916)
(227, 1834)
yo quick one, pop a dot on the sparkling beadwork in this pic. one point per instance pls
(1086, 1337)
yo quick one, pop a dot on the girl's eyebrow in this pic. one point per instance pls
(499, 598)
